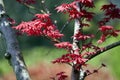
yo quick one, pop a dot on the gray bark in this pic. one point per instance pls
(13, 54)
(77, 74)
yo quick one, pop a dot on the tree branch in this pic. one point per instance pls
(62, 29)
(13, 54)
(115, 44)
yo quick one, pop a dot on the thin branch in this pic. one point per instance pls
(64, 26)
(113, 45)
(34, 8)
(45, 7)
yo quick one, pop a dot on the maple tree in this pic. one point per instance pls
(77, 54)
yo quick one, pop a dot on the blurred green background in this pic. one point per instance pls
(38, 49)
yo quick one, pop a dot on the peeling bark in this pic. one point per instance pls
(75, 74)
(13, 54)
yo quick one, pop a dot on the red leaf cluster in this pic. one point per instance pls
(71, 9)
(111, 12)
(81, 36)
(87, 15)
(107, 31)
(108, 6)
(71, 58)
(87, 3)
(40, 26)
(65, 45)
(61, 76)
(27, 1)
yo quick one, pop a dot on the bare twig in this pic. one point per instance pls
(45, 7)
(67, 22)
(34, 8)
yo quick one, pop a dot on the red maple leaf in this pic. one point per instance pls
(41, 26)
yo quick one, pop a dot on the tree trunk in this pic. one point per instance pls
(77, 74)
(13, 54)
